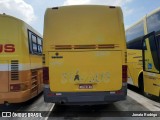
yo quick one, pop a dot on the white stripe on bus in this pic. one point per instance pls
(7, 67)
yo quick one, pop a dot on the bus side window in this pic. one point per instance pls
(153, 23)
(39, 45)
(35, 43)
(134, 36)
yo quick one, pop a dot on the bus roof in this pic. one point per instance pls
(153, 12)
(21, 21)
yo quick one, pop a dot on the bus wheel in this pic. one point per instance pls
(141, 84)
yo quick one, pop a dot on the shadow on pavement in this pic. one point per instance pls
(16, 106)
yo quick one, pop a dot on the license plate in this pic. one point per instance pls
(84, 86)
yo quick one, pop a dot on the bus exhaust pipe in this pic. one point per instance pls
(6, 103)
(62, 102)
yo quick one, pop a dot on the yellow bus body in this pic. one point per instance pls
(84, 49)
(147, 80)
(135, 67)
(20, 71)
(151, 75)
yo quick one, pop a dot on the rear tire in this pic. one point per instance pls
(141, 84)
(141, 87)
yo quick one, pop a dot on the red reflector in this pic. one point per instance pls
(50, 94)
(15, 87)
(54, 94)
(45, 75)
(124, 73)
(119, 92)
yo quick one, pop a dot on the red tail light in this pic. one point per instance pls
(119, 92)
(15, 87)
(45, 75)
(18, 87)
(124, 73)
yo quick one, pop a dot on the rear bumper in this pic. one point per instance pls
(84, 98)
(15, 97)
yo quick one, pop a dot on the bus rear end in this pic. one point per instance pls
(20, 71)
(84, 55)
(9, 56)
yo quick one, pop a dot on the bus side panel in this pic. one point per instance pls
(134, 62)
(152, 83)
(4, 76)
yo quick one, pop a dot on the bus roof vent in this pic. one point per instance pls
(96, 46)
(14, 69)
(55, 8)
(112, 7)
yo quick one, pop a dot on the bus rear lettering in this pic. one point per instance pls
(1, 48)
(7, 48)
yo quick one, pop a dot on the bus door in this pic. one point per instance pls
(151, 64)
(4, 76)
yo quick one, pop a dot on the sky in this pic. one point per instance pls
(32, 11)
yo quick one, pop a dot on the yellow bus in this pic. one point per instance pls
(134, 35)
(151, 63)
(149, 44)
(84, 55)
(151, 52)
(21, 76)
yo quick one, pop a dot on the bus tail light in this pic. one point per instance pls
(119, 92)
(45, 75)
(125, 57)
(18, 87)
(124, 73)
(43, 59)
(15, 87)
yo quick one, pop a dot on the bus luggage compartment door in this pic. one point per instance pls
(81, 71)
(4, 76)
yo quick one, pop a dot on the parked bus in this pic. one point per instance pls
(151, 63)
(21, 76)
(134, 36)
(84, 55)
(150, 77)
